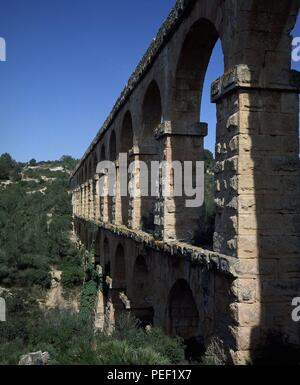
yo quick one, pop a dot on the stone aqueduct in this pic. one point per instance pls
(241, 292)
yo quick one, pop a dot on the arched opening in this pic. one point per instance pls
(152, 111)
(86, 173)
(141, 298)
(106, 258)
(112, 158)
(90, 168)
(95, 162)
(183, 318)
(191, 69)
(98, 249)
(102, 153)
(149, 149)
(119, 282)
(126, 143)
(119, 273)
(208, 114)
(200, 63)
(112, 147)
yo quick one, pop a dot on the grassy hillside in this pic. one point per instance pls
(35, 221)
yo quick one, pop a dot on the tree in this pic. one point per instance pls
(15, 173)
(7, 164)
(32, 162)
(209, 162)
(68, 162)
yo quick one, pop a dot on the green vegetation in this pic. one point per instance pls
(35, 225)
(70, 338)
(9, 169)
(209, 162)
(92, 282)
(204, 236)
(34, 230)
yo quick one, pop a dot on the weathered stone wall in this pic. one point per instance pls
(243, 291)
(148, 287)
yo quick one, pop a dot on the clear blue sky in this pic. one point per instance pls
(67, 62)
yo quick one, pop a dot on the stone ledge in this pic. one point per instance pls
(142, 149)
(180, 129)
(249, 77)
(209, 260)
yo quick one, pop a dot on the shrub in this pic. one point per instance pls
(88, 299)
(114, 352)
(70, 339)
(128, 329)
(72, 276)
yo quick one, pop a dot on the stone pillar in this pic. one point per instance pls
(141, 208)
(86, 195)
(82, 201)
(133, 222)
(134, 211)
(77, 202)
(104, 197)
(74, 201)
(91, 200)
(179, 143)
(123, 207)
(96, 199)
(117, 198)
(81, 213)
(111, 200)
(258, 208)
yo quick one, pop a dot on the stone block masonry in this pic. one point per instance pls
(240, 292)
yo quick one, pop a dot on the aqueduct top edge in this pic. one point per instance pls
(174, 19)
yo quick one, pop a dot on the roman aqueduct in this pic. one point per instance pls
(242, 289)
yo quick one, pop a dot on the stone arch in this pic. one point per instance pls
(191, 69)
(205, 233)
(126, 144)
(106, 257)
(85, 172)
(119, 284)
(90, 167)
(189, 224)
(98, 249)
(126, 138)
(95, 162)
(152, 117)
(112, 147)
(152, 111)
(119, 269)
(182, 313)
(103, 153)
(141, 298)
